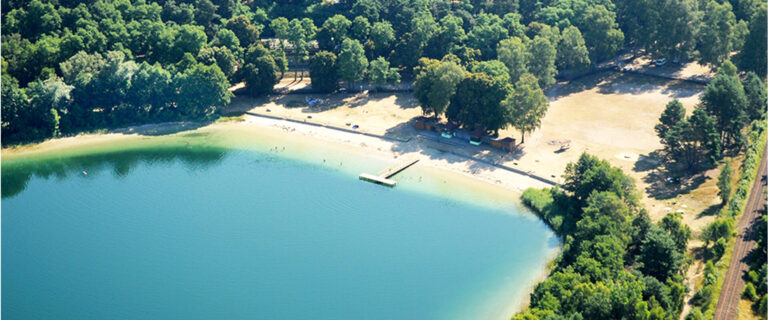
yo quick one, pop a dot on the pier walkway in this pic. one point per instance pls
(383, 176)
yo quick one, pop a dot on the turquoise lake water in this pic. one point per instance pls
(212, 233)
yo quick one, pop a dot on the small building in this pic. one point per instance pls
(425, 123)
(506, 143)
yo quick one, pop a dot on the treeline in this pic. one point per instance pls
(616, 263)
(106, 92)
(375, 40)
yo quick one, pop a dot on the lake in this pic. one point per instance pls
(219, 233)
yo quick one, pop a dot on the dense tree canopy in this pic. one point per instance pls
(541, 38)
(322, 71)
(477, 103)
(615, 263)
(436, 84)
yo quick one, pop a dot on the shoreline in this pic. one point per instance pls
(301, 137)
(438, 173)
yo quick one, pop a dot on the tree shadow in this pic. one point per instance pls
(454, 150)
(564, 89)
(666, 184)
(710, 211)
(161, 129)
(647, 162)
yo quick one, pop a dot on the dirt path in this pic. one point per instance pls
(728, 304)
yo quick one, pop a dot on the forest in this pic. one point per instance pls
(71, 66)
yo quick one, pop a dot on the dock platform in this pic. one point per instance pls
(384, 176)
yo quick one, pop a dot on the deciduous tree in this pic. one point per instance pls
(527, 105)
(322, 71)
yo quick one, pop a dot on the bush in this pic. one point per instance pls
(719, 248)
(749, 292)
(695, 315)
(703, 296)
(763, 309)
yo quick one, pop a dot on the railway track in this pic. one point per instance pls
(728, 304)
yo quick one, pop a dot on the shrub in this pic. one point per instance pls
(749, 292)
(719, 248)
(695, 315)
(703, 296)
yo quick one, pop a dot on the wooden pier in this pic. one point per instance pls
(383, 176)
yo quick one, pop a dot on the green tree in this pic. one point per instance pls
(368, 9)
(280, 26)
(245, 31)
(486, 34)
(352, 62)
(719, 248)
(299, 34)
(259, 70)
(220, 56)
(333, 32)
(601, 33)
(150, 88)
(322, 71)
(513, 53)
(724, 99)
(81, 64)
(727, 68)
(572, 52)
(493, 68)
(477, 103)
(380, 72)
(189, 39)
(720, 228)
(226, 38)
(724, 182)
(436, 84)
(749, 292)
(382, 36)
(205, 13)
(201, 91)
(527, 105)
(754, 88)
(672, 115)
(447, 38)
(716, 32)
(16, 113)
(680, 232)
(46, 99)
(660, 257)
(183, 13)
(694, 142)
(541, 61)
(590, 174)
(360, 29)
(752, 57)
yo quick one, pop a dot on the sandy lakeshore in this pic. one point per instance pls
(355, 152)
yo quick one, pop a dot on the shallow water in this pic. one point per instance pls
(209, 232)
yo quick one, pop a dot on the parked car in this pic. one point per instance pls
(661, 62)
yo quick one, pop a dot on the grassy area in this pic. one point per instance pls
(239, 118)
